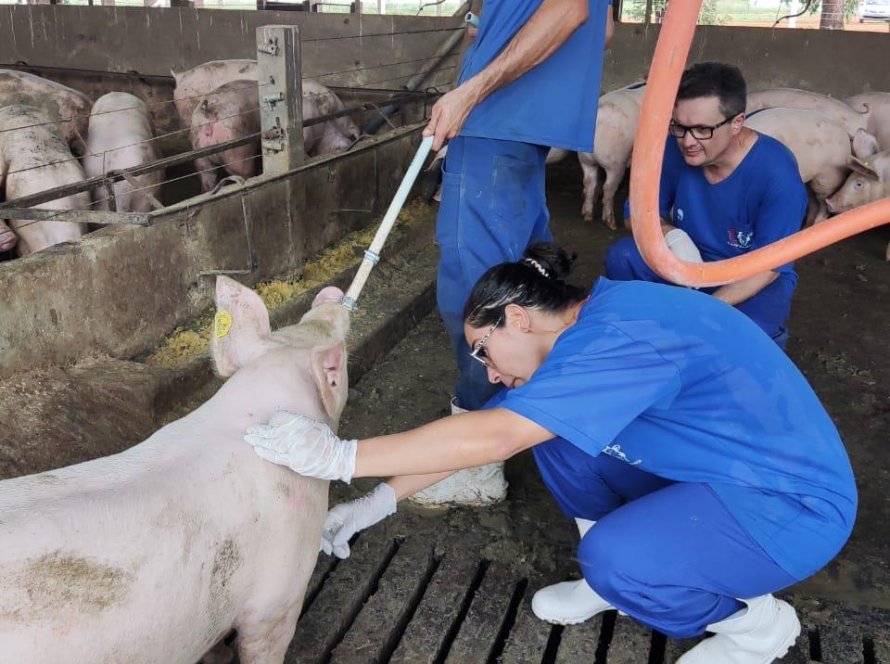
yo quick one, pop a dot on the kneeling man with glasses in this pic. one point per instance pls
(725, 190)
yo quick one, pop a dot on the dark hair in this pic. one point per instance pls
(537, 282)
(716, 79)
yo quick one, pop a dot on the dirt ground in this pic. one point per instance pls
(840, 327)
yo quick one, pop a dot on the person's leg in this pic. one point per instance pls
(586, 488)
(624, 262)
(590, 487)
(493, 206)
(770, 308)
(677, 560)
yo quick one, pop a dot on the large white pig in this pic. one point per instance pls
(869, 182)
(33, 158)
(120, 137)
(876, 107)
(820, 146)
(194, 84)
(616, 124)
(62, 104)
(230, 111)
(154, 554)
(829, 108)
(328, 102)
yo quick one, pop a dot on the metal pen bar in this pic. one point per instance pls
(89, 183)
(167, 162)
(77, 216)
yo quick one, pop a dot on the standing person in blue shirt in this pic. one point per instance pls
(725, 190)
(530, 80)
(706, 467)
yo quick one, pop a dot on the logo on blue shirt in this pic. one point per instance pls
(614, 450)
(740, 239)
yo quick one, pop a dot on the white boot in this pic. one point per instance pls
(760, 633)
(483, 485)
(569, 602)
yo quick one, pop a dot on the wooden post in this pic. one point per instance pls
(279, 74)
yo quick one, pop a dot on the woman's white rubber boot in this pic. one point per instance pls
(760, 633)
(476, 487)
(569, 602)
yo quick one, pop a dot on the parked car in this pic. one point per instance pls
(874, 9)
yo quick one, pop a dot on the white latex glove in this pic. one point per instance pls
(304, 445)
(346, 519)
(682, 246)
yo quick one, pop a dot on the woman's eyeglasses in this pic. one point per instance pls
(478, 353)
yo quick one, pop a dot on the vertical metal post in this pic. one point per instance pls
(279, 74)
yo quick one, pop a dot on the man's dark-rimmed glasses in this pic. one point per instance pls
(698, 132)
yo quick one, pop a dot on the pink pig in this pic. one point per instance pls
(155, 554)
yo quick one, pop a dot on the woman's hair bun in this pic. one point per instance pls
(555, 260)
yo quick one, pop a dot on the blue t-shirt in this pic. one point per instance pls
(553, 103)
(685, 387)
(762, 201)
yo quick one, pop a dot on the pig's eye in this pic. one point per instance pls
(859, 183)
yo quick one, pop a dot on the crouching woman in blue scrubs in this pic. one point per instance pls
(709, 468)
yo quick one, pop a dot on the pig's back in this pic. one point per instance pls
(179, 541)
(816, 142)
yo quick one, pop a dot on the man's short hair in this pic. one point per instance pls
(715, 79)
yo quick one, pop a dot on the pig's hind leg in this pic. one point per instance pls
(266, 641)
(206, 170)
(591, 172)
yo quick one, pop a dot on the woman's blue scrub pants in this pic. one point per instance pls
(493, 207)
(668, 554)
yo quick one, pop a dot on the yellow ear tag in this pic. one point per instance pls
(222, 323)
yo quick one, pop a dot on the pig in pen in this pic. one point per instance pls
(189, 527)
(124, 164)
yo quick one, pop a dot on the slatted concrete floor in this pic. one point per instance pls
(430, 597)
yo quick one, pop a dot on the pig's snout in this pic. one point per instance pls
(832, 206)
(328, 294)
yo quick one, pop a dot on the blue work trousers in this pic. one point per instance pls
(493, 207)
(769, 308)
(669, 554)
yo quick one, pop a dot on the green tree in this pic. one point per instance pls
(833, 13)
(709, 14)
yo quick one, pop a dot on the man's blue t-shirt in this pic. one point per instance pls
(762, 201)
(553, 103)
(685, 387)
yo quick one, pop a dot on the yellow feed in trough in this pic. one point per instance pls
(185, 344)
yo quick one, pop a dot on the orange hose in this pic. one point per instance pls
(667, 67)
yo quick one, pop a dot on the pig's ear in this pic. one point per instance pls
(862, 168)
(864, 144)
(329, 371)
(240, 328)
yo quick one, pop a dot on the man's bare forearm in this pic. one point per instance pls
(548, 29)
(738, 292)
